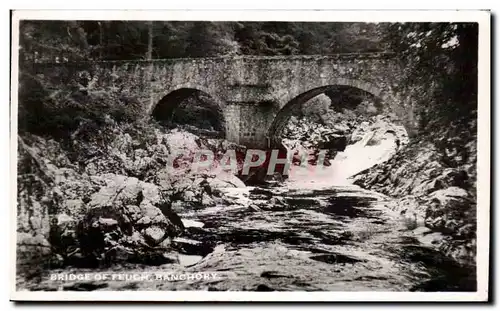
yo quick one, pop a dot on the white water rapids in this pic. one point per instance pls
(315, 232)
(354, 159)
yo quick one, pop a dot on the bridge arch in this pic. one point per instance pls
(293, 103)
(210, 109)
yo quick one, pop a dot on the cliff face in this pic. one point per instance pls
(35, 204)
(435, 178)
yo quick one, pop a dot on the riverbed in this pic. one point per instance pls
(338, 239)
(314, 232)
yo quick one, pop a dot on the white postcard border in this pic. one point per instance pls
(483, 164)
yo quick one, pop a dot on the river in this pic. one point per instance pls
(315, 232)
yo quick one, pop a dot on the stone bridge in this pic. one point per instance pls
(254, 95)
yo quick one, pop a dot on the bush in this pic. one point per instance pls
(58, 113)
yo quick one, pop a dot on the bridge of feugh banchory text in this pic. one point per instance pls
(254, 95)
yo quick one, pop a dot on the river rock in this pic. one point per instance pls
(126, 212)
(189, 196)
(206, 200)
(277, 201)
(449, 210)
(254, 208)
(225, 180)
(37, 201)
(154, 235)
(32, 251)
(440, 189)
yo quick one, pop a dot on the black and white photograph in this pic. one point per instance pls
(250, 156)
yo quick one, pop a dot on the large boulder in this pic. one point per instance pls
(452, 211)
(449, 210)
(52, 197)
(378, 128)
(196, 191)
(181, 142)
(224, 180)
(333, 142)
(127, 219)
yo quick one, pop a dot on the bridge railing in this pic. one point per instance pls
(342, 56)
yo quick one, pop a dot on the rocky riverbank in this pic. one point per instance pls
(108, 198)
(340, 238)
(107, 201)
(434, 179)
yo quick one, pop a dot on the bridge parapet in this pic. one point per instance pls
(339, 56)
(251, 90)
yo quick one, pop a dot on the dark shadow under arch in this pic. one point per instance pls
(294, 106)
(206, 110)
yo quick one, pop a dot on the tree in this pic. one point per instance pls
(206, 39)
(52, 41)
(440, 61)
(127, 40)
(150, 41)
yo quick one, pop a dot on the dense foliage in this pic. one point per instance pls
(124, 40)
(441, 70)
(440, 59)
(59, 113)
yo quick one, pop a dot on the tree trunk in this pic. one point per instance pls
(81, 35)
(149, 54)
(101, 46)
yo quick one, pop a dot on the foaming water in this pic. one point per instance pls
(317, 232)
(354, 159)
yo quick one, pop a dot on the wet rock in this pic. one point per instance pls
(304, 136)
(225, 181)
(254, 208)
(192, 223)
(193, 247)
(32, 250)
(154, 235)
(125, 216)
(206, 200)
(332, 141)
(429, 181)
(278, 201)
(359, 132)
